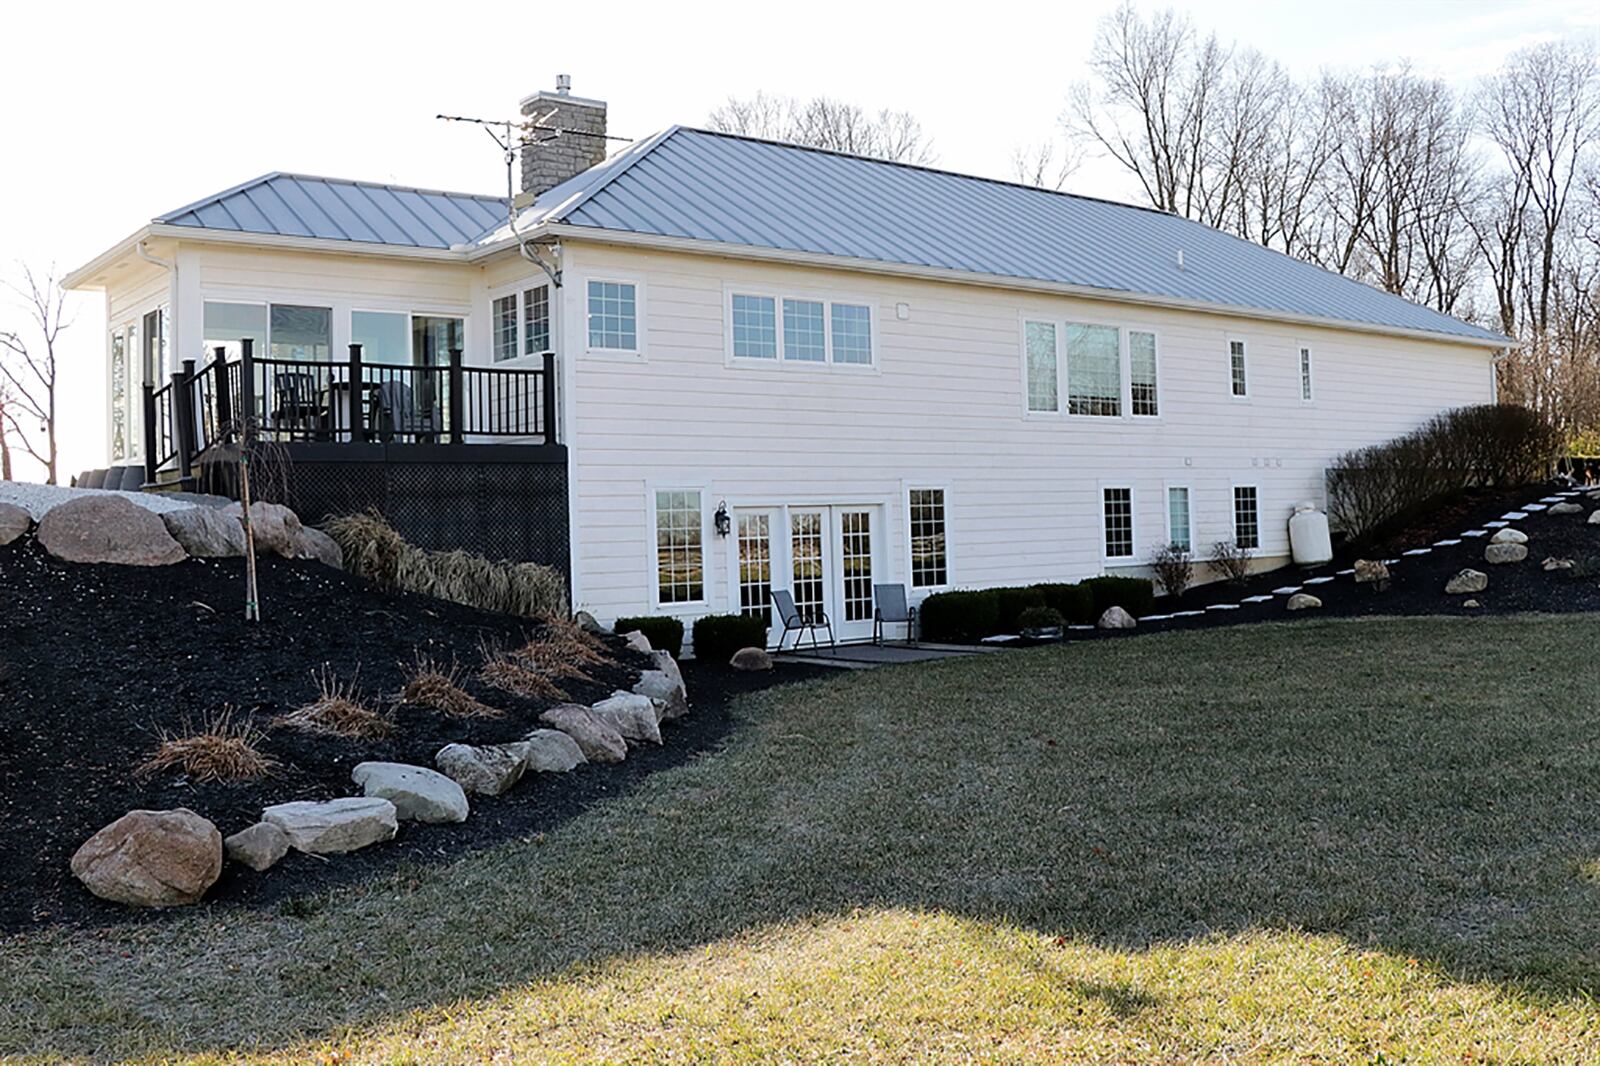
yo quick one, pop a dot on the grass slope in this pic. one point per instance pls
(1346, 841)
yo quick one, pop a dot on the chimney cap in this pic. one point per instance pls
(563, 84)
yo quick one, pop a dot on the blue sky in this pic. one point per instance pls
(117, 113)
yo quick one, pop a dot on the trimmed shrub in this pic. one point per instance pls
(718, 636)
(1039, 618)
(1231, 561)
(663, 633)
(1136, 595)
(1174, 568)
(1011, 602)
(1075, 601)
(962, 616)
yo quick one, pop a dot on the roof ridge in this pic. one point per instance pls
(263, 179)
(620, 165)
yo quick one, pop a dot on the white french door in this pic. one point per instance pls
(825, 555)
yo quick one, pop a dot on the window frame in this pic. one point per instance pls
(1127, 358)
(653, 491)
(782, 359)
(637, 352)
(1106, 558)
(906, 489)
(1065, 379)
(1244, 357)
(1166, 500)
(1125, 331)
(1306, 371)
(1233, 513)
(1028, 410)
(518, 292)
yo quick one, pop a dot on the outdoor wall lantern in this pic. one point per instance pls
(721, 519)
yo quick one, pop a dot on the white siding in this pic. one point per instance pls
(945, 407)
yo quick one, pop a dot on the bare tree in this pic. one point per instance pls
(1046, 165)
(28, 370)
(5, 435)
(823, 122)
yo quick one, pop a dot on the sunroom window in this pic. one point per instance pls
(304, 334)
(227, 324)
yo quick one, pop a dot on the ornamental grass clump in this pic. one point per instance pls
(433, 685)
(220, 750)
(513, 672)
(337, 711)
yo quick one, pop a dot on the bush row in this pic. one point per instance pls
(718, 636)
(663, 633)
(971, 614)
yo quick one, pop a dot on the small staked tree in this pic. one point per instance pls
(28, 371)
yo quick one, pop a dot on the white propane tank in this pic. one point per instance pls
(1308, 536)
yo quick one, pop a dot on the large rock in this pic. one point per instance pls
(1594, 519)
(593, 735)
(1566, 507)
(632, 715)
(1553, 563)
(108, 529)
(637, 641)
(671, 699)
(14, 522)
(1371, 572)
(550, 751)
(151, 858)
(333, 826)
(588, 622)
(1303, 601)
(313, 543)
(751, 660)
(1116, 618)
(418, 793)
(1505, 553)
(669, 666)
(488, 770)
(259, 847)
(1509, 536)
(276, 528)
(1467, 582)
(205, 532)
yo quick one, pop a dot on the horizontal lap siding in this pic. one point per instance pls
(946, 409)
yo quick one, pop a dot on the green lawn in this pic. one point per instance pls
(1337, 841)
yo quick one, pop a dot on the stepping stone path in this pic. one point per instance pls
(1177, 614)
(1512, 516)
(1481, 532)
(1255, 599)
(1343, 573)
(1223, 607)
(334, 826)
(418, 793)
(1287, 590)
(1318, 580)
(1533, 508)
(1417, 551)
(1155, 618)
(1450, 543)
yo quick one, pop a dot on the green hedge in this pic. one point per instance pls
(972, 614)
(718, 636)
(663, 633)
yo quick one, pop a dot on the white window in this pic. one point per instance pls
(1246, 517)
(1179, 529)
(930, 566)
(384, 336)
(1118, 514)
(755, 565)
(1305, 373)
(613, 316)
(680, 561)
(304, 334)
(120, 394)
(810, 331)
(226, 325)
(1094, 370)
(505, 328)
(755, 327)
(1040, 338)
(1237, 375)
(1142, 373)
(536, 320)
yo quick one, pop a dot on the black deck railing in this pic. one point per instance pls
(346, 401)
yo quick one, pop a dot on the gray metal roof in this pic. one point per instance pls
(708, 186)
(300, 205)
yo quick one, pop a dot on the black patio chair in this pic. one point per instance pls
(890, 609)
(397, 413)
(296, 407)
(799, 623)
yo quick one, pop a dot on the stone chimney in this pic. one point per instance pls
(572, 138)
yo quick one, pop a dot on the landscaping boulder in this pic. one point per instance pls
(418, 793)
(108, 529)
(669, 666)
(550, 751)
(313, 543)
(276, 528)
(14, 522)
(593, 735)
(1303, 601)
(332, 826)
(588, 623)
(637, 641)
(1505, 553)
(630, 714)
(1566, 507)
(205, 532)
(1371, 572)
(1465, 582)
(671, 699)
(1552, 563)
(487, 770)
(151, 858)
(751, 660)
(1509, 536)
(259, 847)
(1594, 519)
(1471, 603)
(1116, 618)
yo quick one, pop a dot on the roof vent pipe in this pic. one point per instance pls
(563, 83)
(1180, 258)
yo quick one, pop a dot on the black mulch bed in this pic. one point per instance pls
(95, 660)
(1417, 582)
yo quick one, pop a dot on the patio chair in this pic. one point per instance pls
(398, 413)
(794, 621)
(295, 404)
(890, 609)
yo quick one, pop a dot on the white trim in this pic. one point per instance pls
(1132, 558)
(912, 588)
(1305, 372)
(637, 352)
(1244, 355)
(652, 488)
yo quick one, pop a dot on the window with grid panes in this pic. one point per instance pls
(613, 316)
(1142, 373)
(1246, 517)
(755, 565)
(929, 564)
(680, 563)
(1118, 504)
(1094, 370)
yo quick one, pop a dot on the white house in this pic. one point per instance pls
(877, 372)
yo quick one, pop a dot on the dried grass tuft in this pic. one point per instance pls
(220, 750)
(511, 672)
(434, 685)
(337, 711)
